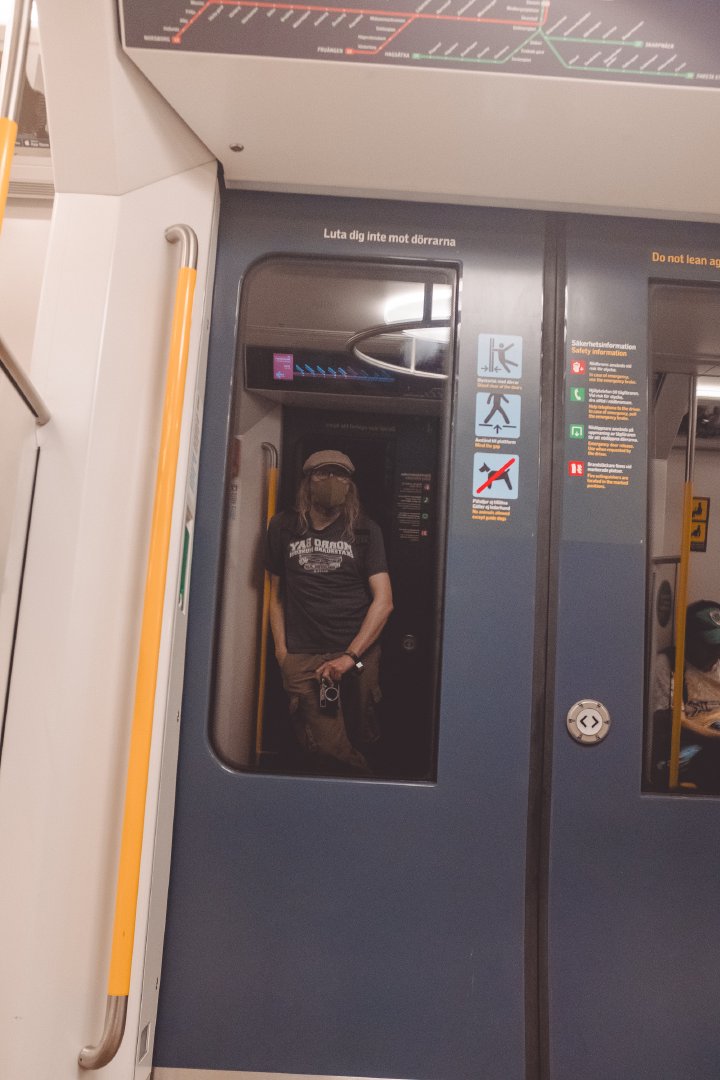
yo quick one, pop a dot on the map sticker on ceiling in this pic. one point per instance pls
(671, 42)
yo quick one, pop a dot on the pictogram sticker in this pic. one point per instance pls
(700, 515)
(495, 476)
(497, 415)
(700, 508)
(500, 356)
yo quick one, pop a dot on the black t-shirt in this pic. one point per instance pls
(325, 579)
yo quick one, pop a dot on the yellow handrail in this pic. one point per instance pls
(271, 505)
(680, 625)
(126, 894)
(681, 592)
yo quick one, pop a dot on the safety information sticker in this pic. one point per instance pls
(498, 420)
(603, 404)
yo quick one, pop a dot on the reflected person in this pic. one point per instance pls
(330, 598)
(700, 715)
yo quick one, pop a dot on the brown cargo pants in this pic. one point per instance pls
(354, 727)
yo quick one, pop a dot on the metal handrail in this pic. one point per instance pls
(394, 328)
(270, 507)
(23, 385)
(12, 74)
(126, 894)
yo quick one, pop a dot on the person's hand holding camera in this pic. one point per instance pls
(335, 669)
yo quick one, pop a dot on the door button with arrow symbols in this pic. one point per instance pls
(588, 721)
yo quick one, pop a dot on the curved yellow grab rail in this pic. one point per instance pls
(94, 1057)
(271, 506)
(12, 77)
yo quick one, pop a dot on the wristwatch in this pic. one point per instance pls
(359, 666)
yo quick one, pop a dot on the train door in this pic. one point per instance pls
(519, 890)
(630, 871)
(385, 925)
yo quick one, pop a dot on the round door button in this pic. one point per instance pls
(588, 721)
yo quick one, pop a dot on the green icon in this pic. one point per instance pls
(577, 393)
(577, 431)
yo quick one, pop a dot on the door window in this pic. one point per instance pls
(350, 359)
(682, 723)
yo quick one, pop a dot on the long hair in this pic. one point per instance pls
(350, 510)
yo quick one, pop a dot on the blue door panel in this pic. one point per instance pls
(340, 927)
(349, 927)
(633, 950)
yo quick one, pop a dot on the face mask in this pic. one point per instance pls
(329, 493)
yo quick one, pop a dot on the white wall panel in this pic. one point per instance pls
(23, 248)
(110, 131)
(100, 356)
(449, 136)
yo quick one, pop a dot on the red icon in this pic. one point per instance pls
(576, 468)
(578, 367)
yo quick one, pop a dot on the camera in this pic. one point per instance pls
(329, 696)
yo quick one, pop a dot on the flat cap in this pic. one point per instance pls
(703, 621)
(328, 457)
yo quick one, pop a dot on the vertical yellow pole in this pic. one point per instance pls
(126, 892)
(272, 484)
(681, 592)
(146, 682)
(680, 622)
(8, 135)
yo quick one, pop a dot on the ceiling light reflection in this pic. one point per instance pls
(708, 389)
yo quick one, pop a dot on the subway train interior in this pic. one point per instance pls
(469, 255)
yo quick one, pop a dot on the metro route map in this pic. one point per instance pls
(672, 42)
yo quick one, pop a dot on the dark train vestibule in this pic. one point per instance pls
(354, 356)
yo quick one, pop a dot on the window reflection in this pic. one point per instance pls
(346, 360)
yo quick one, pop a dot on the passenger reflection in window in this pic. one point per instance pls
(330, 599)
(700, 742)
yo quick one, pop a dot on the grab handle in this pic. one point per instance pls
(12, 75)
(94, 1057)
(23, 385)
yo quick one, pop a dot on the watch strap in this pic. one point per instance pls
(355, 659)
